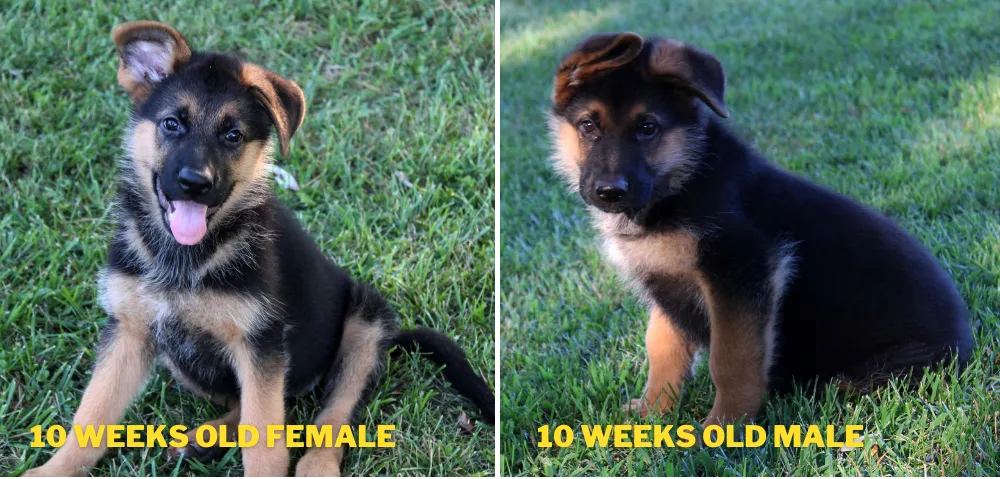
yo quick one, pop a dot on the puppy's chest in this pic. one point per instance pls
(193, 330)
(664, 268)
(671, 255)
(228, 316)
(196, 358)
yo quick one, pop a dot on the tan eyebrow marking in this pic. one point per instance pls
(595, 110)
(188, 101)
(228, 110)
(637, 110)
(640, 112)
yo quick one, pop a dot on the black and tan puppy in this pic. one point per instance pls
(210, 275)
(782, 280)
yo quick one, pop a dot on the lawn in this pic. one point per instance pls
(396, 166)
(894, 103)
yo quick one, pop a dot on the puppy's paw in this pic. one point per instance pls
(722, 416)
(318, 463)
(194, 451)
(259, 461)
(711, 420)
(638, 406)
(649, 406)
(49, 471)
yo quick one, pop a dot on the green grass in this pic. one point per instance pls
(894, 103)
(395, 160)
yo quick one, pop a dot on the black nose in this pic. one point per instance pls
(611, 190)
(194, 182)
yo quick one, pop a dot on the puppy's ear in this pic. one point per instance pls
(148, 52)
(691, 68)
(595, 56)
(284, 100)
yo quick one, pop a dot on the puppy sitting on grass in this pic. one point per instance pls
(210, 275)
(782, 280)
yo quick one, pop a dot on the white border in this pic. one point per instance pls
(496, 236)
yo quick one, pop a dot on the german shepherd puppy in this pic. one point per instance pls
(208, 273)
(784, 281)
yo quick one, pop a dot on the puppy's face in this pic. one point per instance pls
(200, 136)
(626, 123)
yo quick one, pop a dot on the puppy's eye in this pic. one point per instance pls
(170, 124)
(588, 127)
(234, 136)
(648, 130)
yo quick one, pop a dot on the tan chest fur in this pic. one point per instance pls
(137, 304)
(672, 254)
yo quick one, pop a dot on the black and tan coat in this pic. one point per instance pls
(783, 281)
(211, 276)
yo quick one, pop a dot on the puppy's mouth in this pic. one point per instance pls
(627, 208)
(614, 209)
(186, 220)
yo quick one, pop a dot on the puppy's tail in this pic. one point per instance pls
(441, 350)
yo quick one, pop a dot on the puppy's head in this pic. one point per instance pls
(627, 121)
(199, 143)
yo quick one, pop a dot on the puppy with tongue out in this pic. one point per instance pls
(188, 221)
(211, 275)
(188, 218)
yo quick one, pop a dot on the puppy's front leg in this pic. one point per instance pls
(262, 403)
(670, 355)
(123, 362)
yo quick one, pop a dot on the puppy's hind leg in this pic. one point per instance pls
(207, 454)
(368, 330)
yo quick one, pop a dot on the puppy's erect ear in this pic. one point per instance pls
(691, 68)
(284, 100)
(148, 52)
(596, 55)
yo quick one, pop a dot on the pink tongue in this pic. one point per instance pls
(187, 223)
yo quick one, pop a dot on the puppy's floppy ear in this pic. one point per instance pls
(691, 68)
(284, 100)
(596, 55)
(148, 52)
